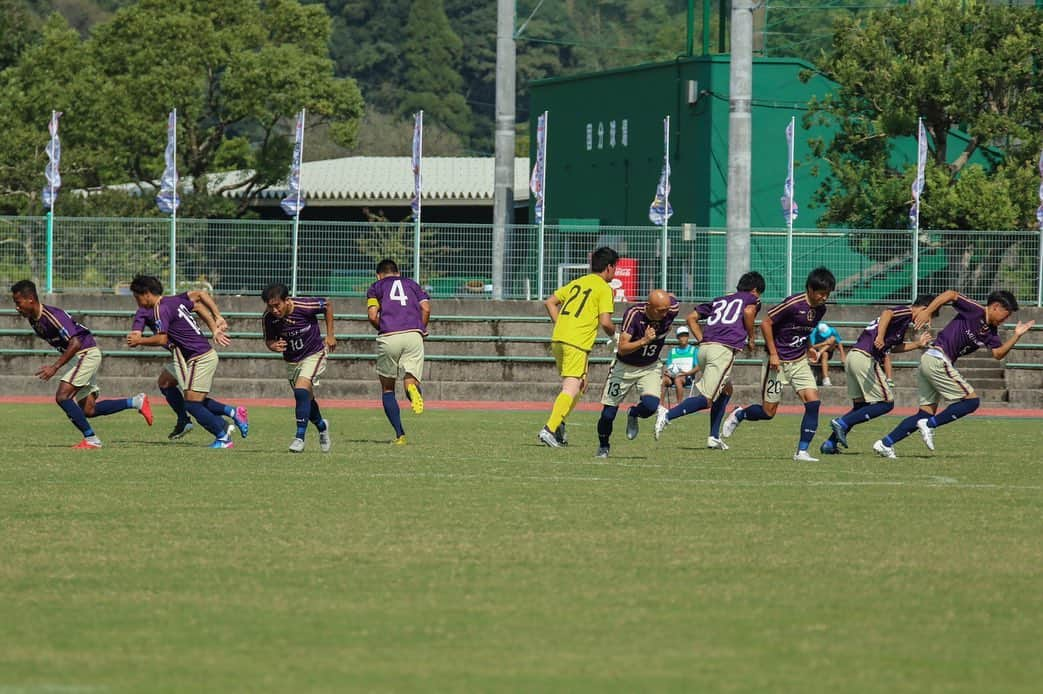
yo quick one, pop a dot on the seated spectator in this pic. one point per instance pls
(681, 365)
(825, 340)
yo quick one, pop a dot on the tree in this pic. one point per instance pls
(431, 58)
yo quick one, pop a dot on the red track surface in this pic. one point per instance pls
(591, 406)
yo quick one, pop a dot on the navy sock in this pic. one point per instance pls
(809, 424)
(104, 407)
(302, 409)
(75, 414)
(753, 413)
(950, 414)
(904, 428)
(219, 408)
(210, 421)
(608, 415)
(392, 412)
(866, 411)
(176, 401)
(687, 406)
(645, 408)
(315, 415)
(717, 414)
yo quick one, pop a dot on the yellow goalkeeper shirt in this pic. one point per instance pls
(583, 300)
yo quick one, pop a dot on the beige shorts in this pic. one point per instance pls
(940, 381)
(797, 374)
(866, 379)
(311, 367)
(715, 368)
(403, 351)
(196, 374)
(82, 373)
(622, 378)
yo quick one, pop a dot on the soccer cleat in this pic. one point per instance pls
(180, 429)
(242, 421)
(840, 430)
(602, 452)
(400, 441)
(325, 442)
(926, 432)
(416, 400)
(828, 448)
(716, 443)
(297, 446)
(660, 422)
(88, 444)
(884, 451)
(731, 423)
(804, 457)
(143, 406)
(223, 441)
(560, 435)
(632, 426)
(546, 436)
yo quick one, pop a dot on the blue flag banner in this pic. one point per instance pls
(660, 211)
(789, 205)
(168, 199)
(1039, 210)
(418, 154)
(292, 204)
(539, 169)
(918, 182)
(54, 158)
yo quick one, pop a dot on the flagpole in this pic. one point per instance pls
(789, 212)
(1039, 255)
(173, 222)
(541, 239)
(916, 216)
(419, 205)
(297, 213)
(49, 286)
(664, 235)
(52, 152)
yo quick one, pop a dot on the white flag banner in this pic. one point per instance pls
(1039, 210)
(660, 211)
(918, 182)
(168, 200)
(789, 205)
(417, 157)
(54, 158)
(292, 204)
(536, 182)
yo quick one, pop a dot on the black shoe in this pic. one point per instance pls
(180, 429)
(560, 435)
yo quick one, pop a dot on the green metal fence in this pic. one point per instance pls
(338, 259)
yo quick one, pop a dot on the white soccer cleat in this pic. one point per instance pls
(884, 451)
(632, 427)
(716, 443)
(296, 446)
(926, 432)
(804, 457)
(731, 423)
(547, 438)
(661, 422)
(325, 442)
(602, 452)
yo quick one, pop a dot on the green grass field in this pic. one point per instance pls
(475, 560)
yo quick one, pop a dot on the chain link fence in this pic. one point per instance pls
(338, 258)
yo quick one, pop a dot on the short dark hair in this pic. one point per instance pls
(821, 279)
(1004, 298)
(387, 266)
(925, 300)
(146, 284)
(749, 282)
(275, 290)
(601, 258)
(25, 288)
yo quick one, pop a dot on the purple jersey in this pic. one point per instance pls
(635, 321)
(57, 328)
(967, 331)
(792, 322)
(300, 328)
(398, 299)
(173, 315)
(901, 317)
(724, 319)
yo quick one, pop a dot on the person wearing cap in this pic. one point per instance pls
(825, 340)
(681, 364)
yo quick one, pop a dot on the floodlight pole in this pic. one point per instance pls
(503, 176)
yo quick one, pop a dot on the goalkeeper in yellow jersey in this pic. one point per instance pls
(577, 310)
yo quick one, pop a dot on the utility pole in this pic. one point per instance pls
(503, 183)
(739, 139)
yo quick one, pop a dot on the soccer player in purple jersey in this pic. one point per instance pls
(77, 390)
(786, 329)
(871, 391)
(291, 327)
(399, 309)
(729, 330)
(974, 326)
(195, 358)
(638, 363)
